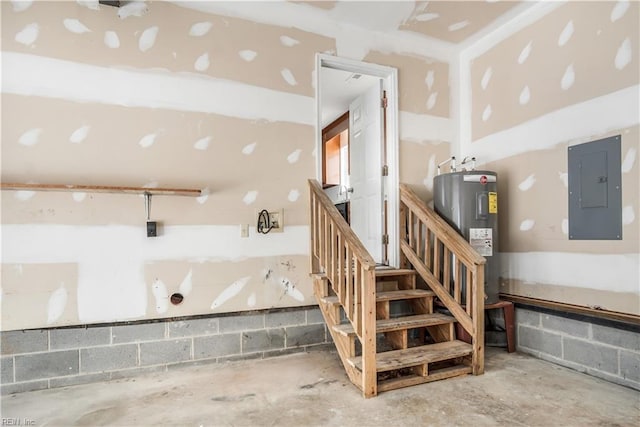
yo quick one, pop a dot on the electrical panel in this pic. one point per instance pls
(595, 190)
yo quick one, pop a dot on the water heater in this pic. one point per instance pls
(468, 201)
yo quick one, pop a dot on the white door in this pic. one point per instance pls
(365, 178)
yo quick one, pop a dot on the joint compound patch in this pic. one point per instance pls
(481, 239)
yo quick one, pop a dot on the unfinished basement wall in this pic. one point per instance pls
(38, 359)
(572, 76)
(601, 348)
(176, 97)
(566, 77)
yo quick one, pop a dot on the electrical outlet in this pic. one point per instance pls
(244, 230)
(152, 229)
(276, 221)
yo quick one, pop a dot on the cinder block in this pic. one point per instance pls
(78, 379)
(527, 317)
(572, 327)
(314, 316)
(46, 365)
(561, 362)
(79, 337)
(17, 342)
(169, 351)
(244, 322)
(536, 339)
(330, 348)
(138, 332)
(112, 358)
(614, 379)
(190, 363)
(194, 327)
(305, 335)
(285, 318)
(264, 340)
(630, 365)
(216, 346)
(591, 354)
(6, 367)
(240, 357)
(616, 337)
(135, 372)
(286, 351)
(23, 387)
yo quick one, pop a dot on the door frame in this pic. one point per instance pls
(391, 183)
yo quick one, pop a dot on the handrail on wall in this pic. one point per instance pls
(102, 189)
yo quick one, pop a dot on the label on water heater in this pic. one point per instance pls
(482, 179)
(493, 202)
(481, 239)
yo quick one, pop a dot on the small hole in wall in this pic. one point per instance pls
(176, 298)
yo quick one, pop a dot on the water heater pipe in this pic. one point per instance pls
(453, 164)
(472, 160)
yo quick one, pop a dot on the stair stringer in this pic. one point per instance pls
(345, 345)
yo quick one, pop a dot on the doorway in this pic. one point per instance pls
(344, 84)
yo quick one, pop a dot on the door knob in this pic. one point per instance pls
(344, 189)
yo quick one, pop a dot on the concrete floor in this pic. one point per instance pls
(312, 389)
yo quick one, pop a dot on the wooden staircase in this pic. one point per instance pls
(385, 329)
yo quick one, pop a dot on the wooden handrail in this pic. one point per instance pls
(440, 226)
(444, 258)
(102, 189)
(359, 250)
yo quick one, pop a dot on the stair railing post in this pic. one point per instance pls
(313, 221)
(404, 262)
(477, 314)
(369, 372)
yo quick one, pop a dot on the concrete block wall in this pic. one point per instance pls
(602, 348)
(47, 358)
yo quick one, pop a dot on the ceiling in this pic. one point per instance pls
(338, 88)
(451, 21)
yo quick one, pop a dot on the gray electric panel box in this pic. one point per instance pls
(595, 190)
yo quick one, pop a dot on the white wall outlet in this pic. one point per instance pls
(244, 230)
(277, 220)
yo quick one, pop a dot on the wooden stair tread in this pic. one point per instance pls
(403, 294)
(388, 296)
(400, 323)
(414, 356)
(435, 375)
(393, 272)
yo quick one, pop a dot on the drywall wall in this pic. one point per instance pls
(210, 95)
(569, 77)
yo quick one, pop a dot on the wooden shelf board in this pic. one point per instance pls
(102, 189)
(572, 308)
